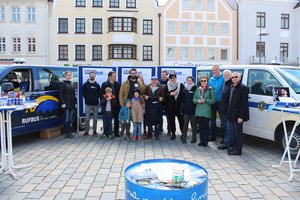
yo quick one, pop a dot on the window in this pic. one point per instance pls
(122, 24)
(16, 14)
(261, 20)
(79, 52)
(184, 53)
(184, 27)
(147, 52)
(285, 21)
(171, 27)
(198, 4)
(260, 49)
(284, 50)
(122, 51)
(130, 3)
(114, 3)
(31, 14)
(171, 53)
(16, 44)
(211, 54)
(186, 4)
(2, 44)
(97, 3)
(210, 4)
(198, 53)
(224, 54)
(31, 45)
(147, 26)
(2, 14)
(63, 52)
(62, 25)
(97, 52)
(97, 25)
(80, 25)
(198, 28)
(211, 29)
(224, 29)
(80, 3)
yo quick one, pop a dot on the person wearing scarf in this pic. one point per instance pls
(204, 98)
(188, 109)
(174, 96)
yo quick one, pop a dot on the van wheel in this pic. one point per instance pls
(295, 142)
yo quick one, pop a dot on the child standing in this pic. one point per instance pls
(137, 114)
(108, 104)
(125, 118)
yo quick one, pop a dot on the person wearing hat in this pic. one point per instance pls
(174, 97)
(91, 94)
(154, 96)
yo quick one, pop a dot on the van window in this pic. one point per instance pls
(258, 80)
(22, 79)
(292, 77)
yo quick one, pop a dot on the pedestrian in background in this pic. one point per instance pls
(173, 96)
(108, 103)
(137, 112)
(154, 97)
(91, 95)
(204, 98)
(68, 102)
(115, 86)
(216, 81)
(125, 119)
(188, 108)
(238, 112)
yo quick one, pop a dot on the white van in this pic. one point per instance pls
(262, 123)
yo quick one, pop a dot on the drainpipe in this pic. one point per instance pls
(159, 35)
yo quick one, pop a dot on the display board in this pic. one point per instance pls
(181, 72)
(147, 72)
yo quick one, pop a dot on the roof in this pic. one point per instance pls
(232, 4)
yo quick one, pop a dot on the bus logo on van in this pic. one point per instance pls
(261, 105)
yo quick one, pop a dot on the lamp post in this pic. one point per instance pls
(260, 35)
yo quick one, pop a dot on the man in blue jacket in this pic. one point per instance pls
(91, 94)
(216, 81)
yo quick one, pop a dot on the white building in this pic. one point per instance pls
(24, 31)
(268, 30)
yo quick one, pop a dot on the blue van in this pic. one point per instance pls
(38, 82)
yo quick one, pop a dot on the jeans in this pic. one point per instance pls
(88, 109)
(137, 128)
(107, 124)
(125, 127)
(186, 120)
(204, 129)
(228, 135)
(68, 119)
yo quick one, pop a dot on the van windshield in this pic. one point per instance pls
(292, 77)
(2, 67)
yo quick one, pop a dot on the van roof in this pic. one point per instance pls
(35, 65)
(250, 66)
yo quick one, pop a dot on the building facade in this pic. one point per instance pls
(104, 32)
(198, 32)
(24, 31)
(268, 31)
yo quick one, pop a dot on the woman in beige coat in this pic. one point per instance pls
(137, 111)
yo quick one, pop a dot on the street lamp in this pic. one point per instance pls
(260, 35)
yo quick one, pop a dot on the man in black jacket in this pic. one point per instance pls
(91, 94)
(238, 112)
(115, 86)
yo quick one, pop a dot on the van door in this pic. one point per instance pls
(259, 100)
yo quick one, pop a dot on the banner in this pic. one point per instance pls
(181, 72)
(146, 72)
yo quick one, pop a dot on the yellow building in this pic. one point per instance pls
(199, 32)
(104, 32)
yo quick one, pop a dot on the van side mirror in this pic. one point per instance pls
(7, 87)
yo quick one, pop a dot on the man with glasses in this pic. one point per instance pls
(128, 87)
(238, 113)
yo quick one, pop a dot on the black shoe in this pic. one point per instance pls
(184, 141)
(86, 133)
(69, 135)
(173, 137)
(212, 139)
(200, 144)
(117, 134)
(235, 153)
(222, 147)
(205, 145)
(230, 149)
(156, 137)
(95, 133)
(193, 141)
(169, 133)
(222, 142)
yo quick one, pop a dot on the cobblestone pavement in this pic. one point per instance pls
(87, 167)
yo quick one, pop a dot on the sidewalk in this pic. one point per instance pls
(87, 167)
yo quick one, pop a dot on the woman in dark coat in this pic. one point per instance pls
(174, 97)
(68, 101)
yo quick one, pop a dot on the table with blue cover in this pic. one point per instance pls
(6, 137)
(293, 108)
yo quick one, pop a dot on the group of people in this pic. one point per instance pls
(144, 105)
